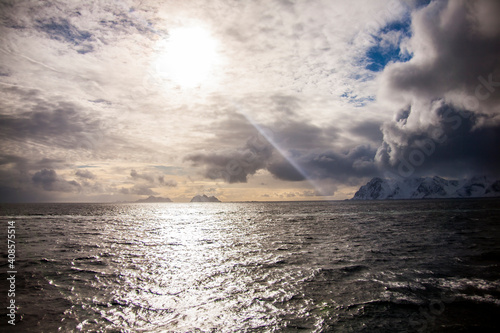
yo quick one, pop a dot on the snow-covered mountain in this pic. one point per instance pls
(204, 198)
(428, 188)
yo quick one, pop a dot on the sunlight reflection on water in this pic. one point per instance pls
(206, 266)
(259, 267)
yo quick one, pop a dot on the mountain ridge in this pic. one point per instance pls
(153, 199)
(204, 198)
(428, 188)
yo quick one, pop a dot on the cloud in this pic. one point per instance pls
(292, 151)
(61, 29)
(16, 171)
(146, 177)
(18, 162)
(153, 179)
(138, 190)
(452, 56)
(357, 162)
(167, 183)
(282, 169)
(85, 174)
(234, 165)
(448, 94)
(453, 145)
(322, 90)
(55, 124)
(50, 181)
(369, 130)
(35, 125)
(26, 180)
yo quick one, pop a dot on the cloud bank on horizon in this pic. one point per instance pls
(112, 100)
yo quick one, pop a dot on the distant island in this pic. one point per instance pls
(152, 199)
(428, 188)
(204, 198)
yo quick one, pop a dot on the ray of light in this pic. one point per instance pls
(269, 137)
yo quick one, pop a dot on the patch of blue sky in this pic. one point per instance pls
(383, 51)
(62, 30)
(357, 101)
(402, 25)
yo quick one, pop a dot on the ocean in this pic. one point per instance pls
(346, 266)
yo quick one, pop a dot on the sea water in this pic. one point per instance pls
(388, 266)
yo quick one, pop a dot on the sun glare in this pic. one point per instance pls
(187, 57)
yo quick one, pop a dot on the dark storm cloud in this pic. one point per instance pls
(50, 181)
(356, 162)
(370, 130)
(14, 179)
(451, 122)
(234, 165)
(15, 194)
(22, 165)
(19, 162)
(282, 169)
(308, 150)
(301, 135)
(27, 180)
(454, 146)
(60, 124)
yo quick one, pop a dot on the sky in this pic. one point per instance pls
(116, 100)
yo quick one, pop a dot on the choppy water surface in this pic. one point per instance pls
(258, 267)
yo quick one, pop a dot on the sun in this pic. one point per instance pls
(187, 57)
